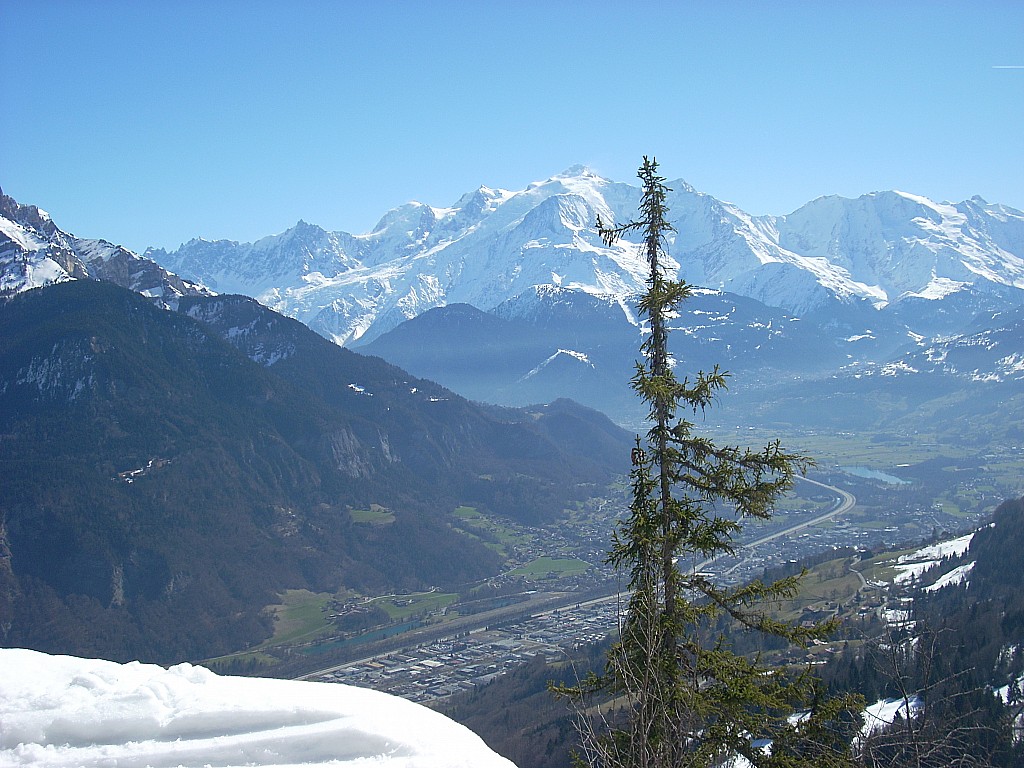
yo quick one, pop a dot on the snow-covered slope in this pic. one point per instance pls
(900, 244)
(35, 253)
(66, 711)
(992, 350)
(492, 245)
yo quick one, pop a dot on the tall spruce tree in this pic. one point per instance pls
(684, 698)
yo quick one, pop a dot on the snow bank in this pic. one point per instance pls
(957, 576)
(65, 711)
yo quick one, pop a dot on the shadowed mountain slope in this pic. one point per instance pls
(165, 474)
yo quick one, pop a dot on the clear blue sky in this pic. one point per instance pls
(149, 123)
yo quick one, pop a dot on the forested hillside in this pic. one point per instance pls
(958, 658)
(160, 486)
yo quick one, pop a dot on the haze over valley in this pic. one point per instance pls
(448, 384)
(418, 496)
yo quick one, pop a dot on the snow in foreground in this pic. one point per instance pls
(65, 711)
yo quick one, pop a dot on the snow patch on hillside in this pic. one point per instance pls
(24, 238)
(883, 713)
(562, 353)
(938, 288)
(957, 576)
(911, 566)
(951, 548)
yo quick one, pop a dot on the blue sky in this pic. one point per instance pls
(149, 123)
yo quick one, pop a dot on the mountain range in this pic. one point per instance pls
(864, 262)
(34, 252)
(512, 298)
(175, 455)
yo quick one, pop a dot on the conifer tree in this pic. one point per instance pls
(685, 698)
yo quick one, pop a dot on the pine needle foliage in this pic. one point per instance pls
(680, 696)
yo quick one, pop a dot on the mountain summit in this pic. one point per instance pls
(885, 251)
(35, 253)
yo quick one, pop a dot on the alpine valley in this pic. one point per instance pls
(179, 448)
(273, 457)
(172, 462)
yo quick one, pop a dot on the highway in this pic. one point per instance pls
(847, 501)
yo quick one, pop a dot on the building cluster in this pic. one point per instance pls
(433, 671)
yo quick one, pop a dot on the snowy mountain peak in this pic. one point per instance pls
(302, 226)
(28, 216)
(411, 211)
(900, 243)
(492, 245)
(578, 172)
(882, 250)
(35, 253)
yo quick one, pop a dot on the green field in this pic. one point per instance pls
(544, 567)
(874, 450)
(964, 477)
(402, 607)
(375, 515)
(501, 536)
(835, 582)
(300, 616)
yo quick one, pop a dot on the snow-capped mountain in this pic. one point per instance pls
(35, 253)
(852, 262)
(912, 257)
(897, 244)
